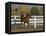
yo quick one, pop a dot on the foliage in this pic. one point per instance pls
(41, 11)
(22, 10)
(34, 11)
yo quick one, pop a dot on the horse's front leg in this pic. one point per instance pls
(22, 24)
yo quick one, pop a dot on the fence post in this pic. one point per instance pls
(35, 22)
(15, 17)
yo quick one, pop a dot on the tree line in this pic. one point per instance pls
(23, 10)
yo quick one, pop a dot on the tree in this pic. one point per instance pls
(22, 10)
(34, 11)
(41, 11)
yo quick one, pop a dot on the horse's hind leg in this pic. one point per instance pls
(28, 25)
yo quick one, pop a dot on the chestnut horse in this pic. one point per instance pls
(25, 19)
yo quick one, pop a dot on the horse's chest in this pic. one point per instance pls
(24, 19)
(24, 16)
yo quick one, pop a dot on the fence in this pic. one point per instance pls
(34, 20)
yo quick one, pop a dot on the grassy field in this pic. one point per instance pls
(23, 29)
